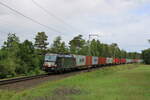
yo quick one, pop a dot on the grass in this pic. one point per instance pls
(123, 82)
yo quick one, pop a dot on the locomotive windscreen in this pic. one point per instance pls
(50, 58)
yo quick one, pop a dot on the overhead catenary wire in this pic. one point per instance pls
(29, 18)
(53, 15)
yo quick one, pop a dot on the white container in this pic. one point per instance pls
(94, 60)
(80, 60)
(109, 60)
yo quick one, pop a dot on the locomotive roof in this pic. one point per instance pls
(60, 55)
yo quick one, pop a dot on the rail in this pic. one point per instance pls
(14, 80)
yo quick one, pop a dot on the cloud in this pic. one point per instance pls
(120, 21)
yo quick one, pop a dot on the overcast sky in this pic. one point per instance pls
(125, 22)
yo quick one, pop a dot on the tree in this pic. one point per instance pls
(76, 44)
(94, 48)
(8, 67)
(114, 47)
(146, 56)
(58, 46)
(123, 54)
(11, 40)
(41, 42)
(18, 58)
(29, 59)
(9, 60)
(26, 53)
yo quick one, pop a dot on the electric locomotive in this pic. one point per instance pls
(59, 62)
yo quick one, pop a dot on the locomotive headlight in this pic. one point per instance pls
(49, 64)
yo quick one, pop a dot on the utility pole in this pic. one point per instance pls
(91, 35)
(115, 47)
(114, 52)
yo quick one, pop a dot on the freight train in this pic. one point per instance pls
(67, 62)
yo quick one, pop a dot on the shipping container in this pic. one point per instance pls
(140, 61)
(94, 60)
(128, 61)
(135, 60)
(80, 60)
(88, 60)
(109, 60)
(102, 61)
(116, 61)
(123, 60)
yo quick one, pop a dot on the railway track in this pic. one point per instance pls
(19, 84)
(14, 80)
(21, 79)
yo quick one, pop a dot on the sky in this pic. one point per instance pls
(125, 22)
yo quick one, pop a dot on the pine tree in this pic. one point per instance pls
(58, 46)
(76, 44)
(41, 42)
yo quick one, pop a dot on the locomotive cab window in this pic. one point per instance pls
(50, 58)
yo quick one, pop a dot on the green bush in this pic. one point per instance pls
(146, 56)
